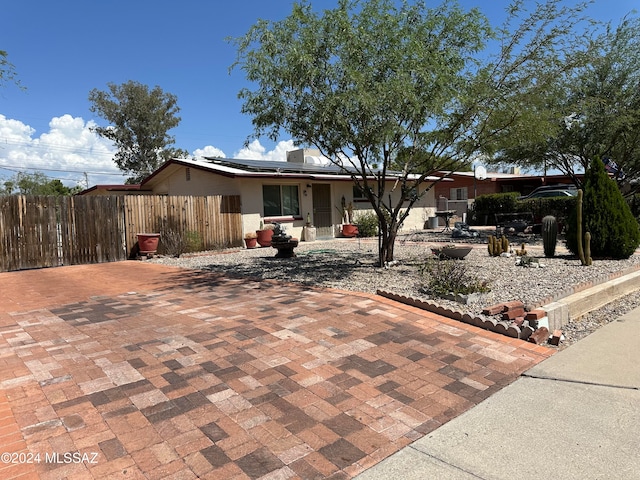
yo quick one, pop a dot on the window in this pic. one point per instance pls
(280, 200)
(458, 193)
(359, 194)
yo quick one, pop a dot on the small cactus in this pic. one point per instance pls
(522, 252)
(497, 246)
(587, 248)
(549, 235)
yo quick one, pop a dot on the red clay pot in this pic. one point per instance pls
(349, 230)
(264, 237)
(148, 242)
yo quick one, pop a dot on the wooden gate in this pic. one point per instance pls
(48, 231)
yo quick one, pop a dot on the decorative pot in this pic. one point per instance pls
(148, 242)
(264, 237)
(251, 242)
(349, 230)
(451, 251)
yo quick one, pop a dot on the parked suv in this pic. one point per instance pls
(552, 191)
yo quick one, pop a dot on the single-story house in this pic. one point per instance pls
(303, 189)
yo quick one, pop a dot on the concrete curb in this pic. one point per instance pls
(578, 304)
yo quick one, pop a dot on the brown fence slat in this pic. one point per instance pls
(45, 231)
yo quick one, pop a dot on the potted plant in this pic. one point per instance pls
(264, 234)
(251, 240)
(349, 229)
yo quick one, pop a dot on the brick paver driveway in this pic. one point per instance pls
(134, 370)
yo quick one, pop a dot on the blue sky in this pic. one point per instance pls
(62, 50)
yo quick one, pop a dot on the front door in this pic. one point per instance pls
(322, 209)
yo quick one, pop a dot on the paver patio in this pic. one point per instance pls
(169, 373)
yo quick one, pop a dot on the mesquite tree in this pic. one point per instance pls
(379, 85)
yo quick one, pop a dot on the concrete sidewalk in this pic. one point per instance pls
(573, 416)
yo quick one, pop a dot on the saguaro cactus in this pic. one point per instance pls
(587, 249)
(584, 250)
(579, 226)
(549, 235)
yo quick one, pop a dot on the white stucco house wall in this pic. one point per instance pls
(304, 188)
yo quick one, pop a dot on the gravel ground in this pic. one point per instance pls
(350, 264)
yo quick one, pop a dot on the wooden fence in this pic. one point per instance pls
(47, 231)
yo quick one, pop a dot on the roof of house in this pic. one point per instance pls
(232, 167)
(110, 188)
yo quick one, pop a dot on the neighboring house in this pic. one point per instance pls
(464, 187)
(114, 190)
(304, 187)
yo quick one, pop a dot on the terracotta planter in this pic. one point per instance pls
(264, 237)
(251, 242)
(349, 230)
(148, 242)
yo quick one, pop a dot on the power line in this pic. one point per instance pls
(53, 147)
(17, 168)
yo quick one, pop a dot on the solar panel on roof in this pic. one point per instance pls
(283, 167)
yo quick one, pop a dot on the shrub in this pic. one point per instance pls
(485, 206)
(559, 207)
(175, 243)
(606, 215)
(442, 277)
(367, 224)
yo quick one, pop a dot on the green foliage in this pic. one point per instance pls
(559, 207)
(485, 206)
(7, 71)
(634, 205)
(443, 277)
(194, 241)
(139, 120)
(36, 183)
(490, 204)
(606, 216)
(367, 223)
(174, 242)
(591, 111)
(367, 80)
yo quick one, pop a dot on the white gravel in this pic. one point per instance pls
(350, 264)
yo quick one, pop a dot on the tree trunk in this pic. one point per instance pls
(387, 244)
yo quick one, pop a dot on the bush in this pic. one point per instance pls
(606, 215)
(559, 207)
(485, 206)
(443, 277)
(634, 204)
(367, 223)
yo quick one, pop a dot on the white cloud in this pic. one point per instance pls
(255, 151)
(68, 151)
(209, 151)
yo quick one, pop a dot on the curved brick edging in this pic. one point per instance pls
(520, 321)
(504, 327)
